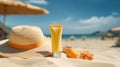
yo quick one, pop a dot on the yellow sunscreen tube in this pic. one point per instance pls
(56, 35)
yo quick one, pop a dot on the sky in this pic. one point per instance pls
(77, 16)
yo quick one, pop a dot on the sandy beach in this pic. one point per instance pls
(103, 50)
(104, 56)
(59, 33)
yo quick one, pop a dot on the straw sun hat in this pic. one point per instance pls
(25, 42)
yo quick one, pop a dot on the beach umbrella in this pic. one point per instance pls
(109, 34)
(72, 37)
(117, 29)
(8, 7)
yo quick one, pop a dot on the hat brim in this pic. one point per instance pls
(41, 51)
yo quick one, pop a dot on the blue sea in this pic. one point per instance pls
(66, 36)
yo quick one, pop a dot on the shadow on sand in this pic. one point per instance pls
(5, 48)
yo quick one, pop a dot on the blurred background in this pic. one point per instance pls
(90, 18)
